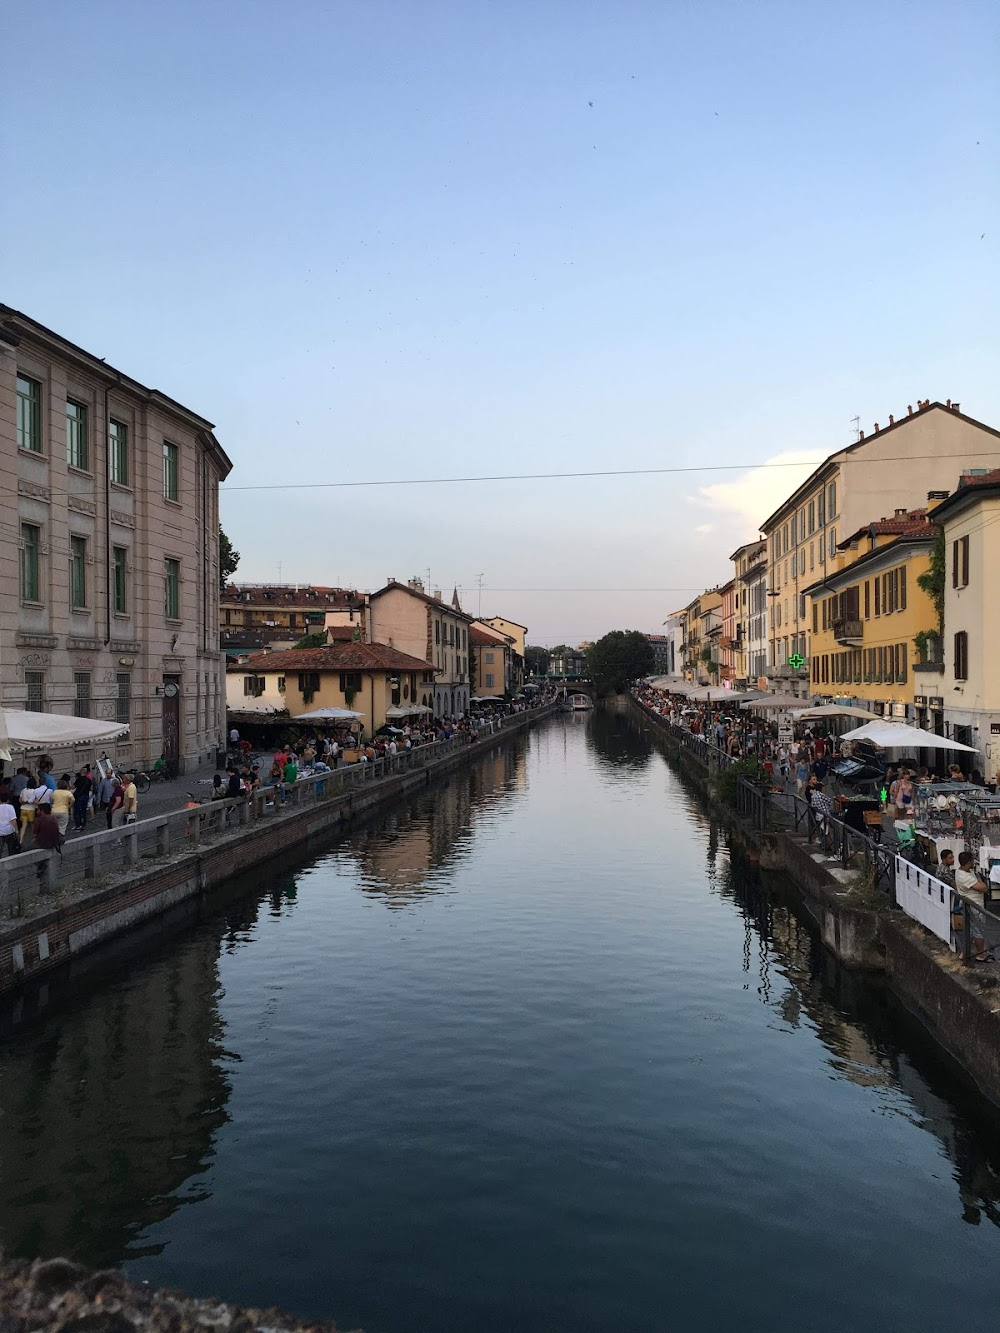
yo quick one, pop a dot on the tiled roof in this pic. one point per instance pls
(306, 596)
(341, 633)
(336, 657)
(911, 524)
(437, 602)
(487, 638)
(969, 487)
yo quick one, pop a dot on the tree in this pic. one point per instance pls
(618, 660)
(315, 639)
(229, 559)
(536, 660)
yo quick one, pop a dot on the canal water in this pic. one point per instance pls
(534, 1052)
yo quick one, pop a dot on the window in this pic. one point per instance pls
(962, 655)
(815, 617)
(437, 631)
(833, 543)
(123, 702)
(172, 589)
(489, 680)
(350, 682)
(78, 578)
(902, 587)
(812, 517)
(821, 509)
(31, 541)
(81, 703)
(868, 600)
(831, 500)
(77, 442)
(812, 555)
(120, 581)
(34, 701)
(308, 685)
(171, 471)
(902, 653)
(795, 529)
(29, 414)
(960, 563)
(489, 658)
(253, 686)
(465, 638)
(118, 442)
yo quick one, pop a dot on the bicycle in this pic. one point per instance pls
(143, 781)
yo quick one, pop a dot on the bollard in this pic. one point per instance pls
(163, 840)
(51, 871)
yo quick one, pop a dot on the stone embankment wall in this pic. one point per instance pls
(78, 921)
(960, 1008)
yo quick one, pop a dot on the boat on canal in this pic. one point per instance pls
(578, 703)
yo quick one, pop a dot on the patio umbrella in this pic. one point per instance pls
(43, 731)
(406, 710)
(327, 715)
(899, 736)
(778, 701)
(831, 710)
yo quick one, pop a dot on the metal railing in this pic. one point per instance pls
(37, 880)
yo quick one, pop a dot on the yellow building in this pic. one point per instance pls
(517, 635)
(909, 462)
(967, 690)
(866, 614)
(369, 678)
(492, 654)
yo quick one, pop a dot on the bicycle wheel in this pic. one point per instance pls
(142, 782)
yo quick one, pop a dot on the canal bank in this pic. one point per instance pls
(56, 909)
(959, 1006)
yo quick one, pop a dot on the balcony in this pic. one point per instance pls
(786, 672)
(848, 631)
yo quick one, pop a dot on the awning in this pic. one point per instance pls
(766, 702)
(44, 731)
(406, 710)
(899, 736)
(327, 715)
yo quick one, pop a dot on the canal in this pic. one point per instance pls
(533, 1052)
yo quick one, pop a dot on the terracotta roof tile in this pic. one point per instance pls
(336, 657)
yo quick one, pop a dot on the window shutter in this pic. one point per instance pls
(965, 562)
(954, 564)
(902, 588)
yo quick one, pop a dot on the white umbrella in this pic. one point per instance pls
(406, 710)
(44, 731)
(768, 701)
(327, 715)
(831, 710)
(899, 736)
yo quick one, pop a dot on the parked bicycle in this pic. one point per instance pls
(143, 781)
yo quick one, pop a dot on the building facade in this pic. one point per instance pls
(369, 678)
(868, 615)
(275, 615)
(750, 572)
(968, 693)
(518, 636)
(729, 647)
(492, 655)
(909, 460)
(403, 616)
(109, 577)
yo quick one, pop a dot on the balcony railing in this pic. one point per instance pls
(848, 631)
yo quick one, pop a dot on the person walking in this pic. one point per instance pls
(46, 835)
(31, 799)
(130, 799)
(82, 788)
(62, 804)
(8, 827)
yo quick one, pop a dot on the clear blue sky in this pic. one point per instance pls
(400, 240)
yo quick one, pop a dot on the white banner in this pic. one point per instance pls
(926, 899)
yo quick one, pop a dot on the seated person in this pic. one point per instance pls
(161, 765)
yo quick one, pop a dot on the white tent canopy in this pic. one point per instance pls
(52, 731)
(774, 701)
(831, 710)
(406, 710)
(327, 715)
(899, 736)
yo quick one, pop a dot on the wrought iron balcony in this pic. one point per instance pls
(848, 631)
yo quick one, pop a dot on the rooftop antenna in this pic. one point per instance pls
(279, 573)
(479, 580)
(856, 423)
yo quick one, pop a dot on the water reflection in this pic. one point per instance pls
(620, 747)
(108, 1115)
(418, 850)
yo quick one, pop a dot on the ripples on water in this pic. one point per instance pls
(535, 1051)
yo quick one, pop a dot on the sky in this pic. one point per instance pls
(401, 241)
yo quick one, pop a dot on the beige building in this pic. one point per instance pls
(518, 635)
(968, 692)
(903, 465)
(368, 678)
(109, 577)
(275, 615)
(493, 655)
(750, 649)
(403, 616)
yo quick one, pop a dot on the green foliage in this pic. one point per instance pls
(229, 559)
(536, 660)
(926, 642)
(932, 582)
(618, 660)
(472, 670)
(560, 648)
(316, 639)
(727, 780)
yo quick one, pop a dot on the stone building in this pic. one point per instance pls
(109, 571)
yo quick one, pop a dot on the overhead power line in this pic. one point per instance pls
(568, 476)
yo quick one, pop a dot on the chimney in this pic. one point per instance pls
(437, 594)
(861, 434)
(955, 406)
(876, 427)
(900, 511)
(892, 420)
(933, 497)
(909, 409)
(948, 404)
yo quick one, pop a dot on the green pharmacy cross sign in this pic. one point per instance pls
(796, 661)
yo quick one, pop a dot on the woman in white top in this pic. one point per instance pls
(8, 827)
(31, 798)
